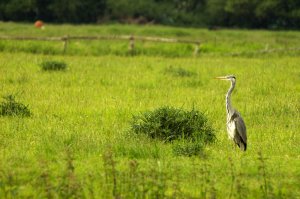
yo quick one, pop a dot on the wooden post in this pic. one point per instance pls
(196, 51)
(131, 45)
(66, 40)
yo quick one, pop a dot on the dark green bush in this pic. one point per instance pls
(9, 107)
(53, 65)
(169, 124)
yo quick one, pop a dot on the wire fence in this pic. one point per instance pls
(132, 41)
(130, 38)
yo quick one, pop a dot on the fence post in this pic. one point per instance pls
(66, 40)
(196, 51)
(131, 45)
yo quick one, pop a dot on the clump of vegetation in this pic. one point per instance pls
(183, 148)
(170, 124)
(9, 107)
(53, 66)
(179, 72)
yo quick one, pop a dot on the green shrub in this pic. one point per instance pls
(169, 124)
(10, 107)
(53, 65)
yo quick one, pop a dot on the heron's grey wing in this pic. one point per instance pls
(241, 127)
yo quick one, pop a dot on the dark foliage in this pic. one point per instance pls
(53, 65)
(272, 14)
(9, 107)
(170, 124)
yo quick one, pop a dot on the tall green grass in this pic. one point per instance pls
(84, 113)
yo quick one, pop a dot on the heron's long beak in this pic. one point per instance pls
(221, 78)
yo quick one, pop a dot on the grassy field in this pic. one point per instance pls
(214, 43)
(77, 143)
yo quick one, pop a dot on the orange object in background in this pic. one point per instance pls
(39, 24)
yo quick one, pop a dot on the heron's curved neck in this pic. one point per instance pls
(229, 108)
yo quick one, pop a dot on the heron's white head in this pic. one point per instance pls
(227, 77)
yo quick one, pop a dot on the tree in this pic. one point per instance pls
(216, 14)
(238, 13)
(241, 12)
(19, 10)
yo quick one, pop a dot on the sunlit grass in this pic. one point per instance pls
(89, 108)
(77, 142)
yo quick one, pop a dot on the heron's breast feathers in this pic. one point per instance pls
(231, 129)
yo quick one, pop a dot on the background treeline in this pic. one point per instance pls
(230, 13)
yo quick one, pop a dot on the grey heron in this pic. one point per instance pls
(236, 127)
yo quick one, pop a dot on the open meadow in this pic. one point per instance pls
(78, 140)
